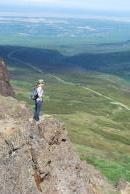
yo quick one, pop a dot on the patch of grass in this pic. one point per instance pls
(113, 170)
(112, 136)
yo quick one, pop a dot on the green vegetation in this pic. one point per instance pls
(114, 170)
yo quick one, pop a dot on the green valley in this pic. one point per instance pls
(95, 109)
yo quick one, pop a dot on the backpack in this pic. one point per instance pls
(34, 95)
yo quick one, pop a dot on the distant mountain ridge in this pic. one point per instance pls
(52, 61)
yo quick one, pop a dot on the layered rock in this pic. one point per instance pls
(5, 87)
(39, 158)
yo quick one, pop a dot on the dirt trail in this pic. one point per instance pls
(112, 100)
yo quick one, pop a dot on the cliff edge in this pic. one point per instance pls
(39, 158)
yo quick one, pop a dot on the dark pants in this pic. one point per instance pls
(38, 107)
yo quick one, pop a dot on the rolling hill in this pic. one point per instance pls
(116, 63)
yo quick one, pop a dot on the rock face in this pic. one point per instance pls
(5, 87)
(123, 187)
(39, 158)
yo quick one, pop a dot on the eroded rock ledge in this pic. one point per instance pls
(39, 158)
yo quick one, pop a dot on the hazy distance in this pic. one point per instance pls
(68, 8)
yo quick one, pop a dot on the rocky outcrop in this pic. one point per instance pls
(39, 158)
(5, 87)
(123, 186)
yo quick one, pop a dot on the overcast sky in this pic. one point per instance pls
(108, 5)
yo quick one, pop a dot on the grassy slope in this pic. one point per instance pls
(98, 129)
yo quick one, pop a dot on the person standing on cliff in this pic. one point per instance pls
(38, 98)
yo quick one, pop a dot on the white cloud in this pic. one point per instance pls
(42, 1)
(88, 4)
(39, 1)
(92, 4)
